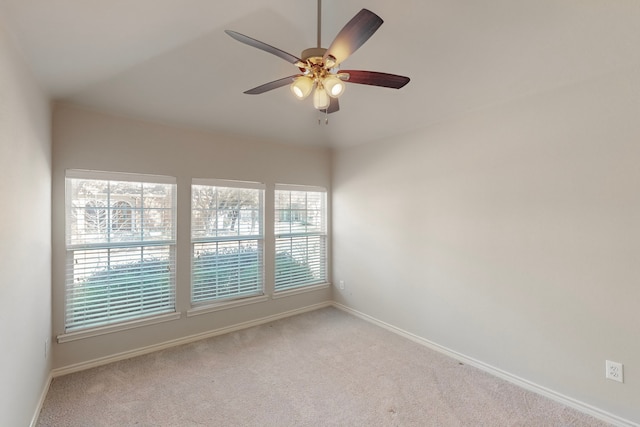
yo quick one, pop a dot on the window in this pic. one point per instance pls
(227, 240)
(120, 240)
(301, 236)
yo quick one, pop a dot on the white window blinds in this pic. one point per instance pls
(227, 240)
(120, 239)
(301, 237)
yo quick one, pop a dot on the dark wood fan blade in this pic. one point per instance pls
(353, 35)
(263, 46)
(271, 85)
(334, 105)
(375, 78)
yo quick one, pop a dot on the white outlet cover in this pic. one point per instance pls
(614, 371)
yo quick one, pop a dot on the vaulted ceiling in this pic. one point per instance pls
(170, 60)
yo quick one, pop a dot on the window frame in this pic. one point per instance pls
(165, 310)
(247, 294)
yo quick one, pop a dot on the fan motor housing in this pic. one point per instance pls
(313, 53)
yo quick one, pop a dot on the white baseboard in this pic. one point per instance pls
(521, 382)
(43, 396)
(184, 340)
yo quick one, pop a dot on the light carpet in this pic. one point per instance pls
(322, 368)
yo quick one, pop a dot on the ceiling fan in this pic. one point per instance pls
(319, 67)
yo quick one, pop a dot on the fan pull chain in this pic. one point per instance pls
(326, 117)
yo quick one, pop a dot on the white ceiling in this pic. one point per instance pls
(170, 60)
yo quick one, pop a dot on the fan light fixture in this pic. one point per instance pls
(325, 87)
(319, 68)
(334, 86)
(317, 74)
(302, 87)
(321, 99)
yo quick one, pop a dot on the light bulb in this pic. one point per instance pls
(301, 87)
(334, 86)
(320, 98)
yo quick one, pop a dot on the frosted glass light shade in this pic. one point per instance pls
(301, 87)
(320, 98)
(334, 86)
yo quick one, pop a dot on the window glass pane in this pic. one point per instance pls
(120, 251)
(109, 285)
(122, 218)
(300, 227)
(112, 211)
(223, 211)
(300, 261)
(226, 270)
(158, 212)
(226, 231)
(87, 211)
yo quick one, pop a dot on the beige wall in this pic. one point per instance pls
(509, 235)
(83, 139)
(25, 244)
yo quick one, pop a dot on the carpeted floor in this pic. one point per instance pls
(323, 368)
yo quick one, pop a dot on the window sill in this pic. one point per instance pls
(300, 290)
(108, 329)
(210, 308)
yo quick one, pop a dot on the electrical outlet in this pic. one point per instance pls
(46, 348)
(614, 371)
(342, 284)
